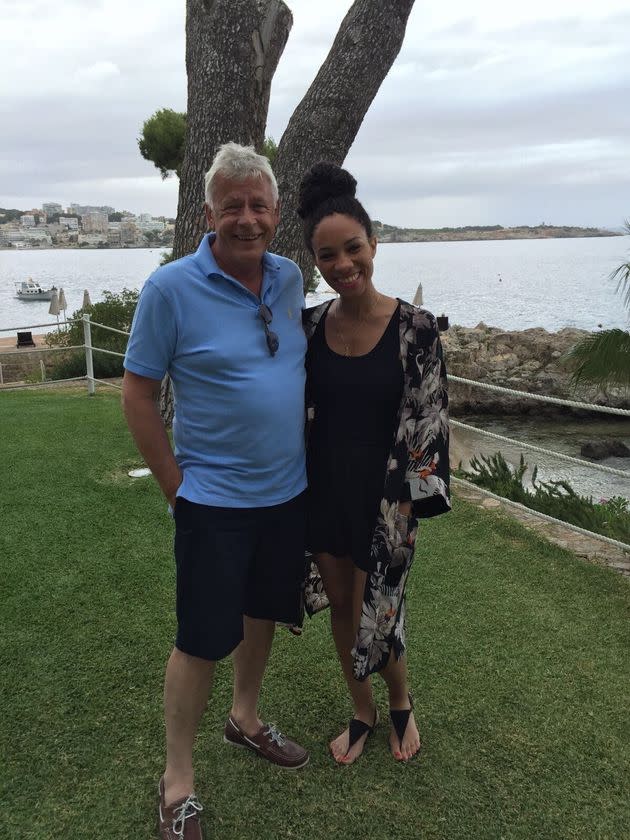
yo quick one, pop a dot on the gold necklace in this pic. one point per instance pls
(347, 345)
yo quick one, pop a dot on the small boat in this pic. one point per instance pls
(30, 290)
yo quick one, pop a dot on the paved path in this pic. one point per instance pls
(590, 548)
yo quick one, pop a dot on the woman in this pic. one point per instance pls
(377, 455)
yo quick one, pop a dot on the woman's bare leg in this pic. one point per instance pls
(344, 585)
(395, 676)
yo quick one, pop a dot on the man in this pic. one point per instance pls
(225, 322)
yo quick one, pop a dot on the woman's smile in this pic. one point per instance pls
(348, 282)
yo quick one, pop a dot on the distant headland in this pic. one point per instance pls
(390, 233)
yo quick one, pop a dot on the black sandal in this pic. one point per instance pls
(400, 719)
(358, 728)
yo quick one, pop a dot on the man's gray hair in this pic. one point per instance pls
(238, 163)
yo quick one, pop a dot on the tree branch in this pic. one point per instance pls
(326, 121)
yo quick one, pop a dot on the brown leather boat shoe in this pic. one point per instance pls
(268, 743)
(180, 821)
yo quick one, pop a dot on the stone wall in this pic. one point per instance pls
(528, 360)
(20, 365)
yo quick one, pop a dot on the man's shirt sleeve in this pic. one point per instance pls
(153, 335)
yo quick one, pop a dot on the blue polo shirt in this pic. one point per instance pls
(239, 412)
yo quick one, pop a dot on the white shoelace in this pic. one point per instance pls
(189, 808)
(275, 735)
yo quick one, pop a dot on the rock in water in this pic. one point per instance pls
(597, 450)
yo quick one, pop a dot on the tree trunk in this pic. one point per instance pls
(326, 121)
(167, 403)
(232, 51)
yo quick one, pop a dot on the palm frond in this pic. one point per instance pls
(622, 275)
(602, 358)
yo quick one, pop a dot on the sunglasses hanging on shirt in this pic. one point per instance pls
(273, 342)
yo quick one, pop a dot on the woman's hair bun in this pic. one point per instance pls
(321, 182)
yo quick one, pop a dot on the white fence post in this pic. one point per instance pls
(1, 375)
(43, 369)
(89, 361)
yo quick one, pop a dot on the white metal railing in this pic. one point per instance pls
(89, 350)
(110, 384)
(111, 329)
(25, 351)
(88, 346)
(91, 381)
(37, 326)
(89, 357)
(18, 386)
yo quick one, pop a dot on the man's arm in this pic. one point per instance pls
(140, 399)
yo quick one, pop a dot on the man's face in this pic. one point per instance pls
(244, 217)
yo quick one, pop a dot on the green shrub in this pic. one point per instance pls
(33, 377)
(116, 310)
(609, 517)
(73, 365)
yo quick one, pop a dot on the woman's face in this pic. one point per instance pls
(344, 254)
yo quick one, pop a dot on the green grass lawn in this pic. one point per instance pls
(519, 660)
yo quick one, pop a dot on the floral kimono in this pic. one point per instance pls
(417, 471)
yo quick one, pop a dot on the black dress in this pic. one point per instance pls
(357, 401)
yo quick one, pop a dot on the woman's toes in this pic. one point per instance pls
(340, 751)
(412, 749)
(396, 750)
(337, 748)
(410, 743)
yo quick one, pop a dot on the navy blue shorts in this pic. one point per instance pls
(233, 562)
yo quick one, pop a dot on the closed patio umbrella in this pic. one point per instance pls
(54, 305)
(62, 302)
(87, 303)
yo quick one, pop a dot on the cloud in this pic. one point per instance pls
(97, 72)
(490, 112)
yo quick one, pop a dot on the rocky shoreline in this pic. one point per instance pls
(525, 360)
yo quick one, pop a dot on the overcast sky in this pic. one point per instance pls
(495, 112)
